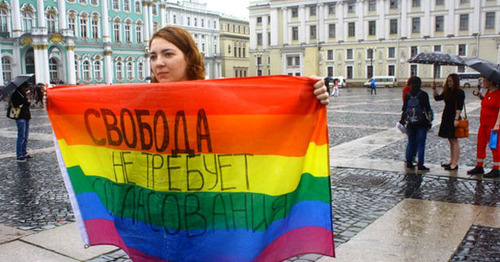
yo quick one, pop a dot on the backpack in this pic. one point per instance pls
(414, 113)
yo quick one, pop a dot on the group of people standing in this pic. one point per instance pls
(417, 117)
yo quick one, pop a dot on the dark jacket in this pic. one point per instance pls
(19, 98)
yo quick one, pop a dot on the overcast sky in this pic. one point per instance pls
(238, 8)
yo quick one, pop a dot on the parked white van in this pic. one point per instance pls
(382, 81)
(469, 79)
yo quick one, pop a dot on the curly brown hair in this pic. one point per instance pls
(183, 40)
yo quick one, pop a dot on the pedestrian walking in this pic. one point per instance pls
(417, 115)
(489, 123)
(20, 100)
(373, 87)
(38, 93)
(336, 87)
(454, 98)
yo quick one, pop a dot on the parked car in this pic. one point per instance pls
(382, 81)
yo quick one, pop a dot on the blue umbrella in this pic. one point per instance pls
(487, 69)
(14, 84)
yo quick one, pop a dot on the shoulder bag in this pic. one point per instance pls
(462, 130)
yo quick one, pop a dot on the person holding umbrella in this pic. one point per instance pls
(489, 118)
(20, 99)
(454, 98)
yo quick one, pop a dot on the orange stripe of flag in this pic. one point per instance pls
(249, 134)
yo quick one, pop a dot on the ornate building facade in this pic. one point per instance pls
(92, 42)
(234, 39)
(361, 38)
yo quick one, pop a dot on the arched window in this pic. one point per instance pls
(229, 49)
(138, 33)
(155, 9)
(117, 31)
(51, 23)
(27, 21)
(3, 21)
(29, 62)
(155, 27)
(7, 69)
(77, 70)
(140, 70)
(84, 26)
(53, 70)
(97, 70)
(72, 23)
(126, 5)
(95, 27)
(116, 5)
(138, 7)
(174, 18)
(130, 71)
(86, 70)
(119, 70)
(128, 32)
(94, 2)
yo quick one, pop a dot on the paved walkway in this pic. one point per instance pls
(382, 212)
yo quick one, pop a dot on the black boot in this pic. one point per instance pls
(492, 174)
(476, 171)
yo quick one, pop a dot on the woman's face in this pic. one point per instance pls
(168, 63)
(450, 82)
(487, 83)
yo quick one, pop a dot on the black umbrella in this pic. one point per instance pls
(437, 58)
(486, 68)
(14, 84)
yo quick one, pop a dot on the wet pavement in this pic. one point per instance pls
(369, 186)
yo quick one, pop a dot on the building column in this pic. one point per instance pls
(108, 64)
(404, 19)
(1, 69)
(70, 58)
(339, 12)
(425, 22)
(150, 16)
(42, 22)
(302, 28)
(449, 24)
(285, 31)
(475, 28)
(381, 34)
(145, 16)
(106, 36)
(360, 28)
(62, 15)
(253, 32)
(17, 29)
(265, 40)
(147, 65)
(41, 63)
(163, 14)
(274, 26)
(321, 23)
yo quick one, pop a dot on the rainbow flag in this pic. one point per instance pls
(213, 170)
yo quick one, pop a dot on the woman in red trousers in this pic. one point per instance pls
(489, 119)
